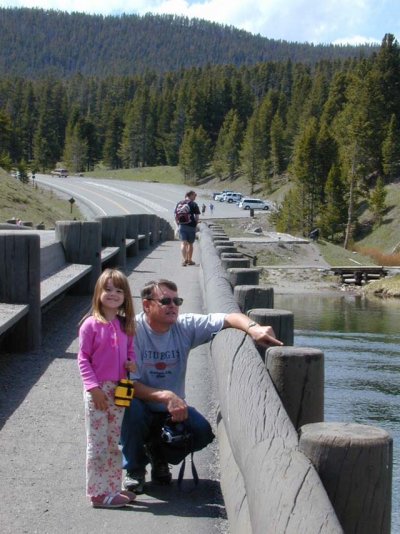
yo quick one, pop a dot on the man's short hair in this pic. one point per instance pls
(147, 291)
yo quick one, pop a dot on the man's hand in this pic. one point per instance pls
(263, 335)
(177, 407)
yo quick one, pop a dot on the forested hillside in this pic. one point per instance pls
(34, 43)
(331, 129)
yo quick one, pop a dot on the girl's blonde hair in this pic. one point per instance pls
(126, 312)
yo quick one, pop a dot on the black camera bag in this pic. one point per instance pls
(172, 442)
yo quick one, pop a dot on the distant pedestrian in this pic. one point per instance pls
(105, 356)
(211, 208)
(203, 209)
(187, 217)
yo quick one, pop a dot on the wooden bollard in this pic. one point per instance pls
(113, 234)
(239, 276)
(231, 263)
(220, 249)
(354, 463)
(82, 244)
(253, 296)
(282, 321)
(144, 229)
(20, 284)
(132, 232)
(298, 376)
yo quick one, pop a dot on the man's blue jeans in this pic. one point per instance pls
(135, 433)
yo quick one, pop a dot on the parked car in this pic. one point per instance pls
(254, 203)
(215, 195)
(232, 197)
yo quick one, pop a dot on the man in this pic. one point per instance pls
(187, 231)
(162, 342)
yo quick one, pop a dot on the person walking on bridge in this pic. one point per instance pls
(162, 343)
(187, 217)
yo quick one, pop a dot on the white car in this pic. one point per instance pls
(254, 203)
(232, 197)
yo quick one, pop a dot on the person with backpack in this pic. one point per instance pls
(187, 217)
(162, 342)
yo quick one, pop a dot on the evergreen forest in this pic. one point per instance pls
(329, 127)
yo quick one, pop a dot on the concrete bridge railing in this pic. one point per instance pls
(34, 272)
(283, 470)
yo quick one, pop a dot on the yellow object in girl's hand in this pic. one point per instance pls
(124, 393)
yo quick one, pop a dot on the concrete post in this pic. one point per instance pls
(298, 375)
(144, 229)
(113, 234)
(231, 263)
(354, 463)
(253, 296)
(132, 232)
(20, 284)
(222, 248)
(282, 321)
(82, 244)
(244, 276)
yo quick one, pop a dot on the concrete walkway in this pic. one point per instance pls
(42, 436)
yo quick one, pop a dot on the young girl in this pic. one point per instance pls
(105, 355)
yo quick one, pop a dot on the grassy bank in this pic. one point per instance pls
(32, 203)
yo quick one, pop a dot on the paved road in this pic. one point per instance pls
(42, 436)
(117, 197)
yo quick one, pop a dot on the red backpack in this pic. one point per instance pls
(183, 212)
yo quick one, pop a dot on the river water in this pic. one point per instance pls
(360, 339)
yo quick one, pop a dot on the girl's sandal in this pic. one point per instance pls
(110, 500)
(131, 496)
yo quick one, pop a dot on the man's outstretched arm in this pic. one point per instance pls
(262, 335)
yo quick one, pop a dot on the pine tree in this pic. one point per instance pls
(251, 154)
(377, 202)
(75, 150)
(112, 142)
(391, 150)
(334, 213)
(226, 159)
(305, 170)
(194, 154)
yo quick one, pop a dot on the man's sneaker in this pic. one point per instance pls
(134, 482)
(160, 473)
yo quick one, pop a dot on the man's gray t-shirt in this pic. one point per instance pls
(162, 358)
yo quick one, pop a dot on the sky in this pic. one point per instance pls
(312, 21)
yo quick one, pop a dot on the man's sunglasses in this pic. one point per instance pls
(166, 301)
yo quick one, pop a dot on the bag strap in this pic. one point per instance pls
(182, 472)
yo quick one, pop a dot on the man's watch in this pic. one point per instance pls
(250, 325)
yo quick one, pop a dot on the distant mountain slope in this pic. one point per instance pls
(35, 43)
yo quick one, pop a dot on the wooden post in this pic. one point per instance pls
(298, 375)
(82, 244)
(243, 276)
(113, 234)
(354, 463)
(253, 296)
(282, 321)
(20, 284)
